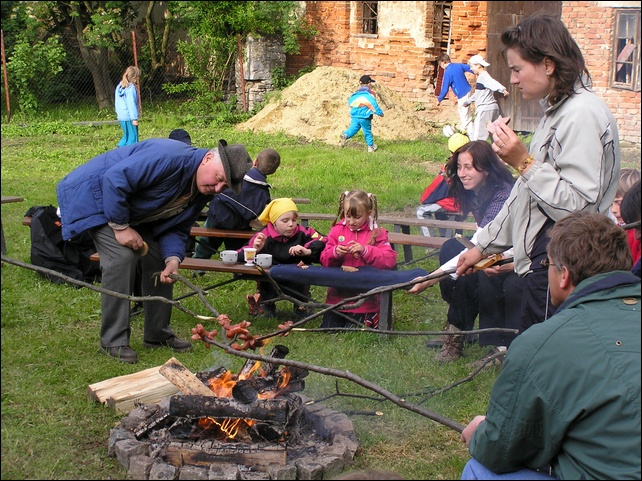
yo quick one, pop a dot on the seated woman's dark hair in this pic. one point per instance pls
(484, 160)
(630, 207)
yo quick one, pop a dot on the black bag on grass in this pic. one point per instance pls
(48, 249)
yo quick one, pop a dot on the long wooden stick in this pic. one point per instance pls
(350, 377)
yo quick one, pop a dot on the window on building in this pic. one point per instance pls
(626, 62)
(369, 19)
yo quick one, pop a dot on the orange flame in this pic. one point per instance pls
(222, 386)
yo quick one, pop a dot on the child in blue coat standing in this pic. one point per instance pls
(126, 103)
(363, 106)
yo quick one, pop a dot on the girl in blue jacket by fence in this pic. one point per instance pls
(363, 106)
(126, 103)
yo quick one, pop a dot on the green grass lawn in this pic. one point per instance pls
(51, 430)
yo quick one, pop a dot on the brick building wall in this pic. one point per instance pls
(402, 56)
(592, 25)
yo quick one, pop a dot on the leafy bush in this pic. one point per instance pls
(32, 66)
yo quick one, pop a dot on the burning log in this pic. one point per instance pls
(207, 376)
(265, 410)
(206, 453)
(279, 352)
(159, 419)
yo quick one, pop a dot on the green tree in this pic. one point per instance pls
(32, 66)
(97, 28)
(96, 32)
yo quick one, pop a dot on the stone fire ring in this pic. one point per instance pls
(335, 452)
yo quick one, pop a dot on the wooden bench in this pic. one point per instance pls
(401, 230)
(210, 265)
(230, 234)
(396, 238)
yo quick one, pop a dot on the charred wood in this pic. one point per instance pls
(266, 410)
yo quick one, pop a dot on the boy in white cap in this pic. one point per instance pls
(486, 107)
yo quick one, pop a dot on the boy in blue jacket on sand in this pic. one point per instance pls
(363, 106)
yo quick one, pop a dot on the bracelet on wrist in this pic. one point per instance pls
(525, 164)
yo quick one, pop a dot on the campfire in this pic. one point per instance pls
(253, 420)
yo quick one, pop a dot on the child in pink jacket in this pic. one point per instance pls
(356, 240)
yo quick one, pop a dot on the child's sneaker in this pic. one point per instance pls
(372, 148)
(342, 140)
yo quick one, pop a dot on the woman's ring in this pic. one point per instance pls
(502, 145)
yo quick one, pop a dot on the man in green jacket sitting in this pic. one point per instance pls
(567, 402)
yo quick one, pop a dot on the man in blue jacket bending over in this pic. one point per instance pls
(139, 203)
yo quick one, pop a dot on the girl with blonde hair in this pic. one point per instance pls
(126, 103)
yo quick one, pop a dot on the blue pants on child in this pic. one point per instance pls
(366, 125)
(130, 133)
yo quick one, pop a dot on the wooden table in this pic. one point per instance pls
(7, 199)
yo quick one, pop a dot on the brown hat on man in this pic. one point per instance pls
(236, 163)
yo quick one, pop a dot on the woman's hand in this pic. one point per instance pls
(467, 261)
(422, 286)
(506, 143)
(496, 270)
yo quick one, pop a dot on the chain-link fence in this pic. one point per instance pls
(84, 82)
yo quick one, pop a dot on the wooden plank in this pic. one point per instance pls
(401, 221)
(416, 240)
(215, 265)
(96, 391)
(183, 379)
(229, 234)
(211, 265)
(413, 221)
(8, 199)
(151, 395)
(122, 393)
(312, 216)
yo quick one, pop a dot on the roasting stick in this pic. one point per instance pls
(345, 375)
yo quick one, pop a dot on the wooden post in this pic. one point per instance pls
(6, 82)
(140, 105)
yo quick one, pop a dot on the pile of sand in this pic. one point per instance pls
(316, 107)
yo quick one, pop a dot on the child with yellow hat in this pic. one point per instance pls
(289, 243)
